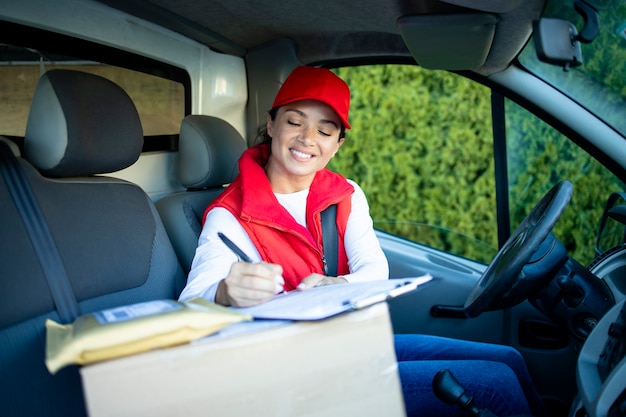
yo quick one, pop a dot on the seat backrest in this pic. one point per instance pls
(208, 154)
(108, 235)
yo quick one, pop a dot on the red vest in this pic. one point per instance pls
(273, 231)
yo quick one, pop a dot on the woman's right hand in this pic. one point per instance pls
(249, 284)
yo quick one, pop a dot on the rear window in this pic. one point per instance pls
(159, 92)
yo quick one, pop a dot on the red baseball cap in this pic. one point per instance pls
(310, 83)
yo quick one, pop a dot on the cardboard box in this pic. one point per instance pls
(341, 366)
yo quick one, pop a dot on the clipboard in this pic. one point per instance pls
(323, 302)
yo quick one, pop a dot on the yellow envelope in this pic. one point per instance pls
(134, 328)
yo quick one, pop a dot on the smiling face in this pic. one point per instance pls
(305, 136)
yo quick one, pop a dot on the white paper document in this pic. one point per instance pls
(329, 300)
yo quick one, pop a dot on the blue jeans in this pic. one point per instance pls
(495, 375)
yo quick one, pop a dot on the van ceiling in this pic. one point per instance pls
(326, 31)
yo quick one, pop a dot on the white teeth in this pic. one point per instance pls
(300, 154)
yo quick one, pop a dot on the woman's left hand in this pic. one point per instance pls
(318, 280)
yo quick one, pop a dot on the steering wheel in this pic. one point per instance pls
(501, 284)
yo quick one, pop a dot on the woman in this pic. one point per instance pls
(272, 212)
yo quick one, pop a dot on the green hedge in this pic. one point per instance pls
(421, 148)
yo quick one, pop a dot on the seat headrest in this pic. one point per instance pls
(81, 124)
(208, 152)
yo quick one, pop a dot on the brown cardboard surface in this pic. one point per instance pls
(342, 366)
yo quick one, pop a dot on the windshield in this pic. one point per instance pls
(599, 83)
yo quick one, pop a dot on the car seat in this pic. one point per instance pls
(208, 154)
(105, 234)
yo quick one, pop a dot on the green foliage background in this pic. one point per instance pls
(421, 149)
(415, 149)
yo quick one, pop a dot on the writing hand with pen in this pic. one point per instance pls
(249, 283)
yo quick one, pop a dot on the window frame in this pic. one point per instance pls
(499, 94)
(30, 37)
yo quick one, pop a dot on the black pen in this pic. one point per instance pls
(234, 248)
(280, 289)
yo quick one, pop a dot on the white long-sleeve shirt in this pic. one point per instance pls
(213, 259)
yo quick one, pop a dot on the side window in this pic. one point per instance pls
(421, 148)
(538, 157)
(160, 100)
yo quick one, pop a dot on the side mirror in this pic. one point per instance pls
(558, 42)
(612, 233)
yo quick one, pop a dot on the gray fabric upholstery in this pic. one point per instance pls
(209, 151)
(107, 231)
(81, 124)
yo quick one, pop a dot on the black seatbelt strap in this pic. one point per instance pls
(330, 239)
(39, 234)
